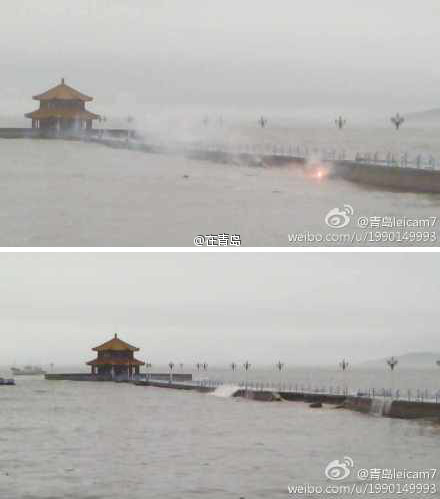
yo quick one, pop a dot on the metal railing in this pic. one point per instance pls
(414, 395)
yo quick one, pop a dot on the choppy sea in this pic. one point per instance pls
(106, 441)
(58, 193)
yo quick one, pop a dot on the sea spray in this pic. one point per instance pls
(226, 391)
(381, 406)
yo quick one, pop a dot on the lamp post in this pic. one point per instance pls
(234, 368)
(102, 120)
(280, 366)
(398, 121)
(198, 366)
(340, 122)
(246, 367)
(344, 365)
(147, 366)
(171, 366)
(392, 363)
(205, 366)
(130, 120)
(263, 122)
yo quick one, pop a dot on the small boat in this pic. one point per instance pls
(8, 382)
(28, 371)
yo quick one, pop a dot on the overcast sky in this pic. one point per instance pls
(285, 57)
(187, 307)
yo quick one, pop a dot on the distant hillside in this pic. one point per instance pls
(431, 116)
(416, 359)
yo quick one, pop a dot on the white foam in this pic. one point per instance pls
(226, 391)
(381, 406)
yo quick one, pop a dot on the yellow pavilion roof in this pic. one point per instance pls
(63, 92)
(116, 344)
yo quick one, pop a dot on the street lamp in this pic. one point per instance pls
(392, 363)
(344, 365)
(263, 122)
(130, 120)
(103, 120)
(246, 367)
(340, 122)
(147, 366)
(398, 121)
(280, 366)
(234, 368)
(205, 366)
(171, 366)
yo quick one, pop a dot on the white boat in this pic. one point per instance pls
(28, 371)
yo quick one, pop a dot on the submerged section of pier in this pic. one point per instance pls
(368, 404)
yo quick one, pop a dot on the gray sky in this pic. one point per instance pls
(286, 57)
(188, 307)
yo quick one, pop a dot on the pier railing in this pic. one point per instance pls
(415, 395)
(404, 160)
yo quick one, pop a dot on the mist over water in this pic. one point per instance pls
(56, 193)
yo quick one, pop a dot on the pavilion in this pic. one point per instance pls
(62, 108)
(115, 359)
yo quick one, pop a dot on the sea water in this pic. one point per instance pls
(106, 441)
(58, 193)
